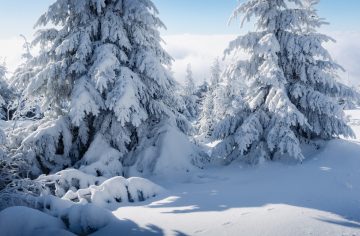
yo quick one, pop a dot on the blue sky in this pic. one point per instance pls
(180, 16)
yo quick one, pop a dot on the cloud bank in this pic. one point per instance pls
(11, 50)
(201, 51)
(346, 52)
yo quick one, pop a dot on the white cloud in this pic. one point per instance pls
(346, 52)
(11, 50)
(201, 50)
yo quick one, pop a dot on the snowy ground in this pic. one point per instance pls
(319, 197)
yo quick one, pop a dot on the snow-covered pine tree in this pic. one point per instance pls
(292, 84)
(3, 72)
(201, 90)
(189, 94)
(108, 95)
(208, 114)
(5, 93)
(189, 82)
(20, 80)
(215, 73)
(22, 75)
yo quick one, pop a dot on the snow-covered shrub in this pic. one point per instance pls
(78, 218)
(292, 89)
(56, 216)
(69, 180)
(115, 191)
(86, 219)
(15, 186)
(82, 210)
(21, 191)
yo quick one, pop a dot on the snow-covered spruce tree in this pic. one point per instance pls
(26, 70)
(208, 114)
(25, 107)
(215, 73)
(3, 88)
(108, 95)
(201, 91)
(189, 94)
(6, 94)
(292, 86)
(189, 81)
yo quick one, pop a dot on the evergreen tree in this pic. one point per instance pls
(201, 92)
(5, 93)
(106, 90)
(215, 73)
(208, 113)
(3, 72)
(26, 70)
(292, 86)
(25, 107)
(189, 83)
(189, 94)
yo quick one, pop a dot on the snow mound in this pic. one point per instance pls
(115, 191)
(171, 155)
(86, 219)
(81, 219)
(31, 222)
(101, 159)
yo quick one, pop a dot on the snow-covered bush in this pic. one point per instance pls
(292, 89)
(81, 211)
(21, 191)
(57, 216)
(15, 186)
(69, 180)
(85, 219)
(114, 191)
